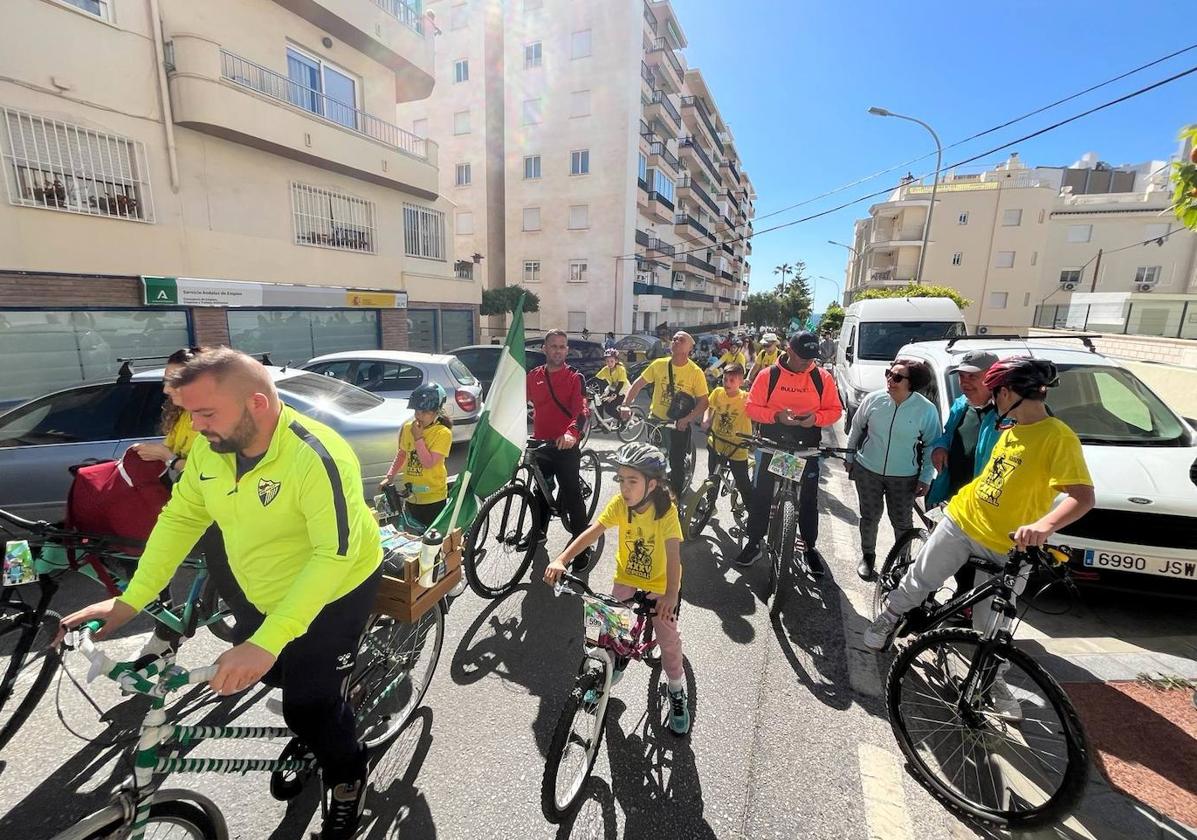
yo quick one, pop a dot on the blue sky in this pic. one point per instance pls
(795, 80)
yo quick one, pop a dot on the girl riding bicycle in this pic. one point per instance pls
(423, 447)
(616, 377)
(647, 557)
(727, 416)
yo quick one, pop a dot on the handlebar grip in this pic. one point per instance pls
(202, 675)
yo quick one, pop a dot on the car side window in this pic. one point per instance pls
(80, 415)
(388, 376)
(337, 370)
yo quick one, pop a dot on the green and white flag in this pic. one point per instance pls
(499, 440)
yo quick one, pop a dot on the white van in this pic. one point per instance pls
(874, 331)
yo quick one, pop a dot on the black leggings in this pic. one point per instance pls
(313, 671)
(739, 471)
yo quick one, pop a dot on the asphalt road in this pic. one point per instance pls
(789, 737)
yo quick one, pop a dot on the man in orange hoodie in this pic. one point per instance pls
(793, 401)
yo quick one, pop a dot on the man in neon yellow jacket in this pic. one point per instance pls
(286, 492)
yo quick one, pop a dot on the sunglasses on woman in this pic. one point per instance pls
(896, 377)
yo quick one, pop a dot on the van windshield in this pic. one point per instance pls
(880, 341)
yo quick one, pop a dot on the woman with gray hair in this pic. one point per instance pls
(891, 435)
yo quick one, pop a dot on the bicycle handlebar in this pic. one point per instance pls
(135, 677)
(563, 585)
(741, 445)
(806, 452)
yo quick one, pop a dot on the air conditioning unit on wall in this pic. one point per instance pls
(1144, 287)
(982, 330)
(1068, 287)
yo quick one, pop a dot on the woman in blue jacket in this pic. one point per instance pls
(892, 433)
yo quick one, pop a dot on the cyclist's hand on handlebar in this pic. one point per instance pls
(384, 484)
(115, 614)
(554, 571)
(1035, 534)
(566, 441)
(241, 667)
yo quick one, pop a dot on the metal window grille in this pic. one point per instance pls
(59, 166)
(329, 219)
(464, 269)
(423, 232)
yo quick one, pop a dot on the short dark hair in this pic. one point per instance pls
(734, 368)
(213, 361)
(920, 374)
(184, 355)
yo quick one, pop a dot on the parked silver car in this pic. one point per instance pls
(394, 374)
(42, 439)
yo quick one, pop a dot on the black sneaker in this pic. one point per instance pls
(343, 805)
(582, 562)
(865, 570)
(748, 556)
(814, 562)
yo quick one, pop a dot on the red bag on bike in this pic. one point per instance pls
(119, 498)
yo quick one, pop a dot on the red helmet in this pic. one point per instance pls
(1023, 375)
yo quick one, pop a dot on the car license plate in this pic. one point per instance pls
(786, 465)
(1186, 569)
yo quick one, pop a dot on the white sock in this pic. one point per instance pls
(676, 685)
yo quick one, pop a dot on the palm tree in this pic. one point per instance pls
(785, 270)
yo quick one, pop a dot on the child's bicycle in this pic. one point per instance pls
(699, 505)
(380, 688)
(616, 632)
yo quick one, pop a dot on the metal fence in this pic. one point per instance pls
(1163, 318)
(403, 13)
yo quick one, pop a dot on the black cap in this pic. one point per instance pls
(805, 345)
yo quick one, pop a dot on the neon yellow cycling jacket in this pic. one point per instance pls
(296, 527)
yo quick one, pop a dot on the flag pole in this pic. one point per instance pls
(463, 485)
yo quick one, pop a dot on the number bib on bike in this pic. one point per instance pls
(786, 465)
(605, 622)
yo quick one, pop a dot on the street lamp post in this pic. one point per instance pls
(838, 293)
(882, 112)
(856, 261)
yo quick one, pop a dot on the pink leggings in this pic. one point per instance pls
(669, 637)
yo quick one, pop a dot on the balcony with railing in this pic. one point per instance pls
(661, 108)
(223, 94)
(391, 32)
(661, 55)
(647, 74)
(730, 165)
(661, 246)
(687, 182)
(657, 149)
(693, 261)
(691, 105)
(641, 238)
(689, 143)
(686, 220)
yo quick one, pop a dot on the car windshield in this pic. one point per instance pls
(326, 392)
(1109, 406)
(880, 341)
(461, 373)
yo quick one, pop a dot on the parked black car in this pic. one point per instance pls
(483, 360)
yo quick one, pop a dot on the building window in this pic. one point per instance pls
(579, 162)
(531, 271)
(1156, 231)
(580, 44)
(100, 8)
(1003, 259)
(461, 122)
(579, 103)
(461, 70)
(531, 167)
(576, 322)
(423, 232)
(1026, 299)
(465, 223)
(1070, 275)
(1011, 218)
(579, 216)
(420, 128)
(60, 166)
(962, 219)
(577, 271)
(1147, 275)
(330, 219)
(1080, 233)
(457, 16)
(642, 170)
(462, 177)
(531, 218)
(531, 111)
(533, 54)
(662, 185)
(464, 269)
(322, 88)
(997, 300)
(1034, 258)
(957, 258)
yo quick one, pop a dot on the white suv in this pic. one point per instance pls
(1142, 456)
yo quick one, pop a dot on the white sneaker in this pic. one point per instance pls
(1005, 704)
(879, 634)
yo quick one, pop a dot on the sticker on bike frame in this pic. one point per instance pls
(18, 563)
(605, 622)
(786, 465)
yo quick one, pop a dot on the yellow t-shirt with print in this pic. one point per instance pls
(640, 559)
(1028, 468)
(429, 484)
(729, 420)
(730, 358)
(688, 379)
(767, 357)
(181, 435)
(617, 378)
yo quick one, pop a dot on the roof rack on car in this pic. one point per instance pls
(1087, 340)
(126, 370)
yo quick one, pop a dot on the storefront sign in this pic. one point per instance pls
(192, 291)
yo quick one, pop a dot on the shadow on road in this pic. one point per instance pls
(705, 587)
(396, 807)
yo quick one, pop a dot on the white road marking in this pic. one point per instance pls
(884, 797)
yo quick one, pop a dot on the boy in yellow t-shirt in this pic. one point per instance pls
(424, 445)
(616, 376)
(647, 557)
(727, 418)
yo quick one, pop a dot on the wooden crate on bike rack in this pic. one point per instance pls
(404, 599)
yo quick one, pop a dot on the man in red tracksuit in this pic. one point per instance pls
(793, 400)
(559, 414)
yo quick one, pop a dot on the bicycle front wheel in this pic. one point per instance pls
(783, 553)
(500, 543)
(1013, 754)
(590, 474)
(575, 745)
(395, 664)
(633, 428)
(25, 637)
(169, 820)
(897, 562)
(698, 508)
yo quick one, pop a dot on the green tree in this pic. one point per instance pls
(833, 318)
(506, 298)
(1184, 182)
(762, 308)
(915, 290)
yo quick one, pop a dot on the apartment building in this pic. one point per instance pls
(587, 163)
(219, 172)
(1018, 241)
